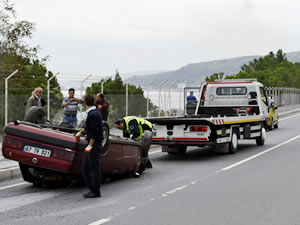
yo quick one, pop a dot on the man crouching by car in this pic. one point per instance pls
(94, 136)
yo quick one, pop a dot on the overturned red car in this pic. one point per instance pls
(48, 153)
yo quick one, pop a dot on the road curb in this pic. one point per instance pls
(10, 173)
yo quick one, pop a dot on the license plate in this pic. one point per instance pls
(37, 151)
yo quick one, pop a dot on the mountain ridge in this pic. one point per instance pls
(197, 72)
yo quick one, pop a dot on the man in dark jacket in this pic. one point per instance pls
(35, 99)
(102, 105)
(94, 136)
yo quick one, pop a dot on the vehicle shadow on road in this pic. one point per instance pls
(204, 153)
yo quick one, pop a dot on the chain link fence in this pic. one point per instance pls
(163, 102)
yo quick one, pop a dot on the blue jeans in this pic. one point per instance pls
(70, 119)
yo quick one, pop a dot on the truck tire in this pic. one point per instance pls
(261, 139)
(233, 144)
(180, 149)
(35, 115)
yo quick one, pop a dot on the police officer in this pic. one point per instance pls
(140, 130)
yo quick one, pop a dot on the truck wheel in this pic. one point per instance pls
(182, 149)
(233, 144)
(261, 140)
(35, 115)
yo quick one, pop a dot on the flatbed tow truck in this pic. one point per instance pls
(226, 111)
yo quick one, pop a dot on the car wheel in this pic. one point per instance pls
(261, 140)
(35, 115)
(105, 142)
(233, 144)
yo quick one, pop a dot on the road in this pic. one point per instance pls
(257, 185)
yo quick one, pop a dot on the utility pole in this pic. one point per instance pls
(48, 95)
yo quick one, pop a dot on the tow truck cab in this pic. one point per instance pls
(228, 98)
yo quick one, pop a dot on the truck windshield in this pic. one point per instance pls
(231, 90)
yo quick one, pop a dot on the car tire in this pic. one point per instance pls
(261, 140)
(233, 144)
(105, 141)
(35, 115)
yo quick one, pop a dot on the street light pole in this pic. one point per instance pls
(102, 83)
(48, 95)
(6, 94)
(81, 87)
(148, 96)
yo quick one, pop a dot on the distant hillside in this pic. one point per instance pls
(197, 72)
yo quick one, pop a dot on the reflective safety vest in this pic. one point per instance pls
(140, 122)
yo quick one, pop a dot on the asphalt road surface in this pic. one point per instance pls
(255, 186)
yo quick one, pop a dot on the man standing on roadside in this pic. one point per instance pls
(94, 136)
(102, 105)
(70, 105)
(35, 99)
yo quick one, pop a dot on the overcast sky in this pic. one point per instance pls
(99, 36)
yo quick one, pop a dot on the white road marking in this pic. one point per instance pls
(132, 208)
(286, 118)
(259, 154)
(176, 189)
(102, 221)
(13, 185)
(154, 152)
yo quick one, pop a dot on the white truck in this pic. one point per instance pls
(225, 112)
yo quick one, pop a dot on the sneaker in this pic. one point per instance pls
(92, 195)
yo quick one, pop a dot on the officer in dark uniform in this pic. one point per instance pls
(140, 130)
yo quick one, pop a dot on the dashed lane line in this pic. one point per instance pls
(102, 221)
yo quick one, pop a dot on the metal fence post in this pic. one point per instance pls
(6, 94)
(48, 95)
(81, 87)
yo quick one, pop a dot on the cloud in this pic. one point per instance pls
(249, 4)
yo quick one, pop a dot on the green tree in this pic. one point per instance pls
(15, 54)
(115, 94)
(215, 76)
